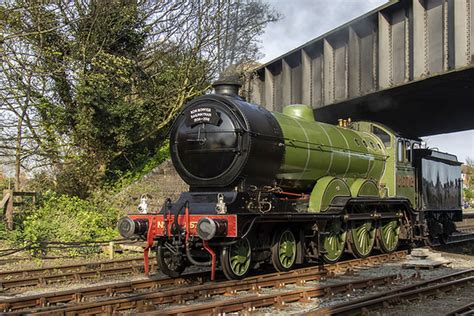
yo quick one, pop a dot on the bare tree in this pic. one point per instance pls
(92, 85)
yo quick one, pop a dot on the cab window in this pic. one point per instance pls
(404, 153)
(408, 151)
(400, 151)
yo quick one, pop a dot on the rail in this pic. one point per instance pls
(463, 310)
(43, 276)
(50, 302)
(278, 299)
(385, 299)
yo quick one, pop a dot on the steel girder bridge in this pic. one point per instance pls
(407, 64)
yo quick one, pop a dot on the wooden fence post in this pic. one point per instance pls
(111, 249)
(9, 211)
(4, 203)
(9, 202)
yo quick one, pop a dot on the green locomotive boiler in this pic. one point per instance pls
(284, 189)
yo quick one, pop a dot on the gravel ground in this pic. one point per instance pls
(433, 306)
(461, 257)
(458, 262)
(24, 261)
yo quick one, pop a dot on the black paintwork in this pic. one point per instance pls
(438, 180)
(246, 144)
(236, 203)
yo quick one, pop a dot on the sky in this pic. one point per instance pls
(304, 20)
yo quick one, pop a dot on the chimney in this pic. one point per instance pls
(229, 86)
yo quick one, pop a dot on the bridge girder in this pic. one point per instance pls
(408, 64)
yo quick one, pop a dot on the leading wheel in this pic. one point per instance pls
(168, 263)
(388, 235)
(334, 242)
(284, 250)
(363, 238)
(236, 258)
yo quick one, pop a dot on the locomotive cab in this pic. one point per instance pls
(427, 178)
(402, 182)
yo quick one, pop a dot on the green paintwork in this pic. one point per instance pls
(390, 184)
(363, 187)
(387, 181)
(325, 190)
(240, 255)
(389, 233)
(363, 237)
(317, 153)
(334, 242)
(287, 249)
(314, 150)
(403, 187)
(300, 111)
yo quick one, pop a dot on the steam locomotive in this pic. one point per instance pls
(284, 189)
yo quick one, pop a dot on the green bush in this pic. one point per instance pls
(69, 219)
(120, 180)
(468, 194)
(3, 231)
(65, 218)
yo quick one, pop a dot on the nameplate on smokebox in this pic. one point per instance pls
(200, 115)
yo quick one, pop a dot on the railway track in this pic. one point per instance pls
(467, 215)
(464, 233)
(466, 229)
(430, 288)
(461, 237)
(13, 280)
(76, 272)
(278, 299)
(10, 280)
(76, 301)
(465, 310)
